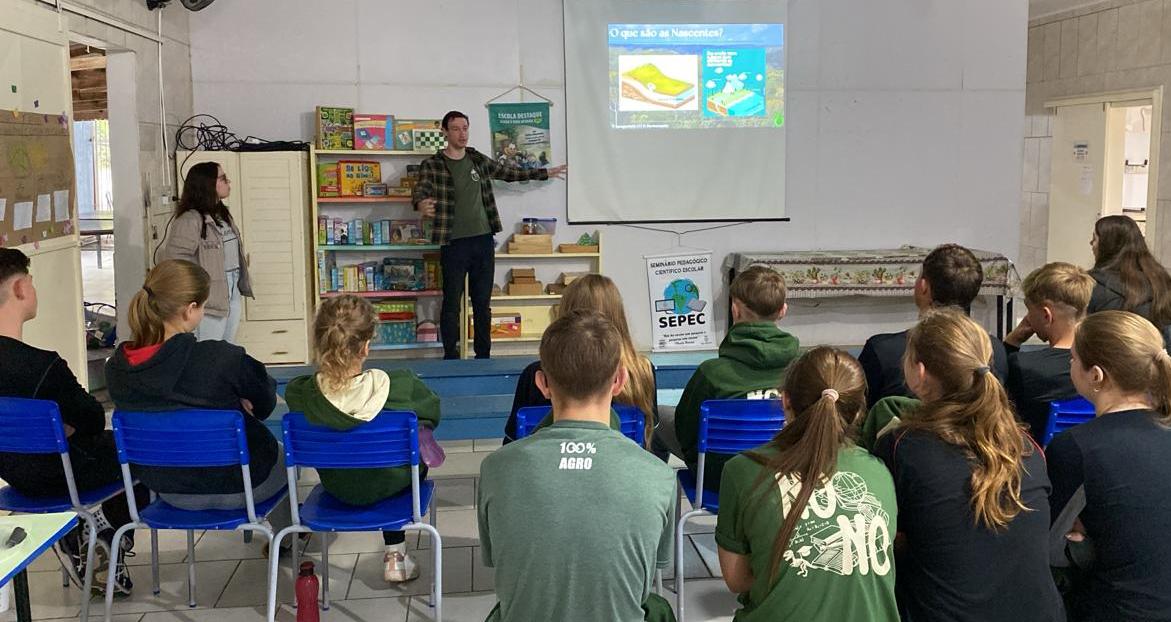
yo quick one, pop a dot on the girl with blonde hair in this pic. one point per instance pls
(595, 292)
(971, 486)
(778, 537)
(341, 395)
(1120, 463)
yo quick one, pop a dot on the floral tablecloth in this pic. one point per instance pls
(891, 272)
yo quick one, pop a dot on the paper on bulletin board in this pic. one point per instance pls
(1086, 180)
(36, 178)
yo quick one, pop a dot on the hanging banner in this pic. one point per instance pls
(520, 134)
(681, 302)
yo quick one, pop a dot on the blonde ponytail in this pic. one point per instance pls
(170, 287)
(1132, 353)
(343, 327)
(973, 412)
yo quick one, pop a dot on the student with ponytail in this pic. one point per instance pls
(1121, 463)
(343, 396)
(164, 368)
(818, 552)
(971, 485)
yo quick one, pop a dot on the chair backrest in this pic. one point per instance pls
(181, 438)
(391, 439)
(631, 420)
(1065, 414)
(31, 427)
(733, 426)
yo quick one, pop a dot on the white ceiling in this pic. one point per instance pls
(1042, 8)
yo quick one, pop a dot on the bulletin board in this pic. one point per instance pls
(36, 178)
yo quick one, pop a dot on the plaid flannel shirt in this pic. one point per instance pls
(435, 182)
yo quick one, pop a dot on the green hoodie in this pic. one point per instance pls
(753, 358)
(364, 486)
(885, 414)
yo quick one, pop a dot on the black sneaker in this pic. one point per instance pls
(71, 553)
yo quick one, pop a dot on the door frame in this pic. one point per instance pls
(1156, 233)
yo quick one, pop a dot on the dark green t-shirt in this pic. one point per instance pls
(575, 519)
(470, 219)
(839, 564)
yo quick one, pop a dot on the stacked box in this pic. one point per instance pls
(353, 175)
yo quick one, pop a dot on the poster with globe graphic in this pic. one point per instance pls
(681, 302)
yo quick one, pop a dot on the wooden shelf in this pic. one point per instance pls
(423, 293)
(546, 255)
(521, 339)
(371, 152)
(363, 199)
(406, 346)
(506, 298)
(355, 248)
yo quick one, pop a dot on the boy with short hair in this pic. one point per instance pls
(29, 372)
(951, 276)
(575, 518)
(1056, 297)
(751, 364)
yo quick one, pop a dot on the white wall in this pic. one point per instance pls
(910, 111)
(1115, 45)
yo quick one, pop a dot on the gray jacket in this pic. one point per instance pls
(184, 242)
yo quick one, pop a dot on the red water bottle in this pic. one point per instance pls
(306, 589)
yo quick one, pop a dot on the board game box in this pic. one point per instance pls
(372, 131)
(335, 128)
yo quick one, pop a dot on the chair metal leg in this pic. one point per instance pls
(659, 582)
(274, 567)
(437, 553)
(113, 571)
(64, 577)
(190, 568)
(91, 527)
(247, 537)
(679, 539)
(296, 551)
(325, 572)
(154, 562)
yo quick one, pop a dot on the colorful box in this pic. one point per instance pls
(372, 131)
(404, 131)
(353, 175)
(335, 128)
(327, 180)
(402, 274)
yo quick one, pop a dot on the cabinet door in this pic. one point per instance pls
(273, 228)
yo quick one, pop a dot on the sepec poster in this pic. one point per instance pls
(681, 301)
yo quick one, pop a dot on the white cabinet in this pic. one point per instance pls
(270, 203)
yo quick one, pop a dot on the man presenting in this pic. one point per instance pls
(455, 188)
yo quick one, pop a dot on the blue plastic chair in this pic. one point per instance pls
(189, 438)
(1065, 414)
(725, 427)
(389, 440)
(30, 426)
(630, 418)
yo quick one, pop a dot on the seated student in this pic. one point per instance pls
(342, 396)
(823, 552)
(164, 367)
(752, 359)
(972, 492)
(1127, 276)
(1056, 296)
(1121, 460)
(575, 518)
(33, 373)
(598, 293)
(950, 277)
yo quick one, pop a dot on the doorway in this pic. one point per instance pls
(1103, 150)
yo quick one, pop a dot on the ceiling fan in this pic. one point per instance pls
(193, 5)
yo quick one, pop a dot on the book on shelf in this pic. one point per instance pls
(360, 232)
(327, 180)
(371, 131)
(335, 128)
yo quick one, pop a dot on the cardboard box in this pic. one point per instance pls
(530, 273)
(525, 289)
(576, 248)
(556, 289)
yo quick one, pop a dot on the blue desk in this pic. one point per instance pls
(42, 531)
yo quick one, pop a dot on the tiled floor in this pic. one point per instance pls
(231, 576)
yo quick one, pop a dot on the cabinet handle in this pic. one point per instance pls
(281, 352)
(279, 332)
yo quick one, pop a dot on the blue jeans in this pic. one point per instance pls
(223, 328)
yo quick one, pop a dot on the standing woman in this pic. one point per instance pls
(1127, 276)
(972, 492)
(204, 233)
(1121, 461)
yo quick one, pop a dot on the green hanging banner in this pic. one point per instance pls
(520, 134)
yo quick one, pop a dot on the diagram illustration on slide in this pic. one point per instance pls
(734, 83)
(654, 82)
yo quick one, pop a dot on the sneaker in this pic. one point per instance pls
(71, 553)
(123, 586)
(399, 567)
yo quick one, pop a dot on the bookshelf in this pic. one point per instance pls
(371, 208)
(537, 310)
